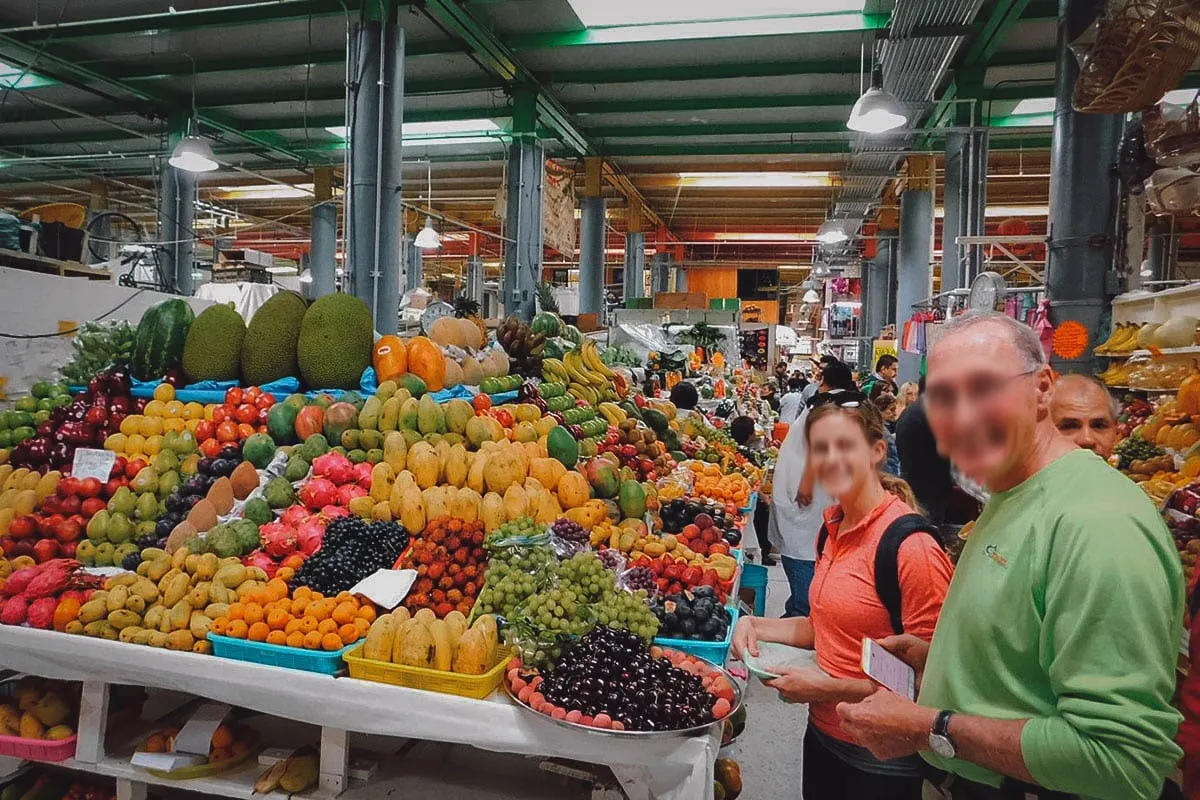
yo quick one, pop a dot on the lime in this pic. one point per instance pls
(29, 404)
(41, 389)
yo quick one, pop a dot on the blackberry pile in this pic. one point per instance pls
(351, 550)
(610, 671)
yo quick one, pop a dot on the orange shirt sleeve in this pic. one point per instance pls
(925, 572)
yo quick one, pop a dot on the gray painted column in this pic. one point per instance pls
(523, 255)
(414, 265)
(177, 217)
(474, 287)
(680, 278)
(976, 221)
(660, 273)
(1083, 196)
(374, 219)
(635, 265)
(885, 259)
(914, 270)
(877, 290)
(966, 197)
(591, 255)
(322, 261)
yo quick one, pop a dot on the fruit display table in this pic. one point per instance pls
(658, 768)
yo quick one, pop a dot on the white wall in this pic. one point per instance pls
(32, 303)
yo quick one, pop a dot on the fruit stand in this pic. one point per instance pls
(423, 544)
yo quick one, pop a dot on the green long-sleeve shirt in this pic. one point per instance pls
(1066, 609)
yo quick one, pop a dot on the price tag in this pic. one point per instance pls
(386, 587)
(91, 463)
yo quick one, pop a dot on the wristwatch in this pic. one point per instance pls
(939, 737)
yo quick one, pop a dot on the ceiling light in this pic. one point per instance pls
(726, 236)
(611, 13)
(452, 131)
(811, 296)
(832, 231)
(428, 238)
(1034, 105)
(750, 180)
(193, 154)
(266, 191)
(877, 111)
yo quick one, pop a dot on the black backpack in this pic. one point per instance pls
(887, 560)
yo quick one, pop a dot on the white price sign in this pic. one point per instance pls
(91, 463)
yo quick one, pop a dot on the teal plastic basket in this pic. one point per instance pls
(713, 652)
(325, 662)
(754, 578)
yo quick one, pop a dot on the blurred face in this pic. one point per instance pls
(1082, 412)
(890, 372)
(842, 459)
(908, 394)
(892, 414)
(984, 403)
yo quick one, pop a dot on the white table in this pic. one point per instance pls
(648, 769)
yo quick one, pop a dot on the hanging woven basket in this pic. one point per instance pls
(1142, 50)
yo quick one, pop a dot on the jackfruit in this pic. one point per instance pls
(336, 337)
(213, 348)
(269, 350)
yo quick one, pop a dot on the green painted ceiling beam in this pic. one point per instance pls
(702, 72)
(713, 103)
(789, 148)
(1041, 10)
(831, 23)
(1021, 58)
(186, 20)
(410, 115)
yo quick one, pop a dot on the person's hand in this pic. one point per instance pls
(909, 649)
(744, 638)
(799, 685)
(804, 499)
(887, 724)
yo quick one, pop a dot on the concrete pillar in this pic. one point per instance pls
(373, 259)
(966, 197)
(591, 255)
(914, 272)
(1083, 196)
(474, 287)
(635, 265)
(177, 215)
(660, 273)
(877, 290)
(322, 262)
(885, 276)
(523, 255)
(414, 266)
(680, 278)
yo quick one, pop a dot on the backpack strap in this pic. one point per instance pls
(887, 562)
(822, 537)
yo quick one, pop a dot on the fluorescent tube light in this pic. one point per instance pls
(613, 13)
(453, 131)
(750, 180)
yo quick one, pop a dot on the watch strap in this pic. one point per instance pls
(941, 725)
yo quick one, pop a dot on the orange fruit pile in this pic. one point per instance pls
(307, 619)
(711, 483)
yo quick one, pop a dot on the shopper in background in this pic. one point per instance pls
(908, 395)
(1053, 665)
(814, 385)
(889, 409)
(921, 465)
(791, 403)
(847, 445)
(684, 396)
(887, 367)
(1085, 412)
(781, 376)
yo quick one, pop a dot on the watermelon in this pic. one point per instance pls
(158, 341)
(572, 334)
(546, 324)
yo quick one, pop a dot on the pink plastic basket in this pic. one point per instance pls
(38, 749)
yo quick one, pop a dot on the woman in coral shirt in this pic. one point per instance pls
(847, 448)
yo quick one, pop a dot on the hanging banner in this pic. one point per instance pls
(558, 208)
(882, 347)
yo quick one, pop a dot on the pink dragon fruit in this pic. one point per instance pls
(318, 492)
(311, 533)
(41, 613)
(362, 474)
(80, 596)
(52, 578)
(348, 492)
(294, 516)
(279, 541)
(14, 610)
(263, 561)
(333, 512)
(335, 467)
(18, 581)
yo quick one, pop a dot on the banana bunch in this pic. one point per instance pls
(587, 377)
(1122, 340)
(613, 413)
(296, 773)
(1116, 375)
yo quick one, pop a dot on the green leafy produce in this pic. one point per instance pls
(98, 346)
(269, 350)
(160, 338)
(1135, 448)
(620, 354)
(213, 349)
(336, 337)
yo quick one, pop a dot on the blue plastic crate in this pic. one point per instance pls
(754, 577)
(325, 662)
(713, 652)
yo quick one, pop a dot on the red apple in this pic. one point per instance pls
(48, 526)
(119, 466)
(23, 527)
(67, 549)
(90, 487)
(134, 467)
(68, 486)
(53, 504)
(44, 550)
(7, 544)
(113, 485)
(23, 548)
(92, 506)
(70, 531)
(70, 505)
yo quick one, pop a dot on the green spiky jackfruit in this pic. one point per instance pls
(269, 351)
(335, 343)
(213, 349)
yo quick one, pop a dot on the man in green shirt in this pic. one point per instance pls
(1052, 666)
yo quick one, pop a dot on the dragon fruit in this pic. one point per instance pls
(41, 613)
(14, 610)
(279, 541)
(294, 516)
(263, 561)
(318, 492)
(362, 474)
(52, 578)
(18, 581)
(348, 492)
(333, 512)
(335, 467)
(311, 533)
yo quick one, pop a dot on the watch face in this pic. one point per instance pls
(941, 746)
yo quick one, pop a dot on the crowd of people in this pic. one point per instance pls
(1045, 655)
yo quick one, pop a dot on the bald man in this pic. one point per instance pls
(1085, 413)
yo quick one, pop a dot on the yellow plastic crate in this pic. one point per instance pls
(476, 687)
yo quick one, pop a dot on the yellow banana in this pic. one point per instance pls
(591, 357)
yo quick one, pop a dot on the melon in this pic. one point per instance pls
(447, 332)
(158, 341)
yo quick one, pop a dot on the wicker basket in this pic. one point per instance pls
(1172, 138)
(1142, 50)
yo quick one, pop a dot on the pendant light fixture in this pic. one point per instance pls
(832, 231)
(193, 153)
(428, 238)
(877, 110)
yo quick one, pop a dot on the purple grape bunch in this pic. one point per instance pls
(569, 531)
(640, 578)
(612, 559)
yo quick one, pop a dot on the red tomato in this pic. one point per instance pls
(222, 413)
(246, 412)
(233, 396)
(211, 448)
(263, 415)
(252, 394)
(503, 417)
(227, 432)
(244, 431)
(264, 401)
(205, 430)
(482, 402)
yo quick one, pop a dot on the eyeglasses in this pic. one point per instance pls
(979, 392)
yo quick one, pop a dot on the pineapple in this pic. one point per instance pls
(466, 308)
(545, 297)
